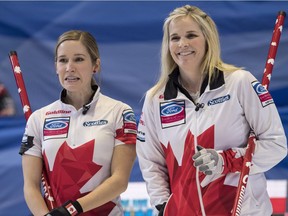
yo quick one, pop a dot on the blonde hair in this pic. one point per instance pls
(212, 59)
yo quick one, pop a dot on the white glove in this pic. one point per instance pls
(210, 162)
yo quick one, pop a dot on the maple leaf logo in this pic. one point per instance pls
(185, 201)
(72, 169)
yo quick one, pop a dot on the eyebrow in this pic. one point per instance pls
(191, 31)
(77, 54)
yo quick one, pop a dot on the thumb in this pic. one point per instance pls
(199, 148)
(206, 180)
(198, 153)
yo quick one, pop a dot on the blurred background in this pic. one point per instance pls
(129, 35)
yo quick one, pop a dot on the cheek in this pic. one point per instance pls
(59, 68)
(172, 46)
(60, 77)
(203, 46)
(60, 72)
(172, 49)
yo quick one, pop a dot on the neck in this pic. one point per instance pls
(78, 100)
(191, 83)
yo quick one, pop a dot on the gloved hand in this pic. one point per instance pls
(69, 208)
(161, 208)
(210, 162)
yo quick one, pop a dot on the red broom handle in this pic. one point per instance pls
(20, 84)
(273, 49)
(251, 141)
(48, 196)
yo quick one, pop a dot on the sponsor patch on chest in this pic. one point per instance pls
(95, 123)
(56, 127)
(172, 113)
(262, 93)
(219, 100)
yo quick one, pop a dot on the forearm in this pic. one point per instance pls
(32, 169)
(155, 174)
(233, 160)
(107, 191)
(273, 152)
(122, 163)
(35, 202)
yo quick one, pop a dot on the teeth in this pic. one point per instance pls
(185, 53)
(72, 78)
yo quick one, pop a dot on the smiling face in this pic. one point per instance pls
(74, 66)
(186, 43)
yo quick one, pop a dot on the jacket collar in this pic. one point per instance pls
(63, 94)
(172, 85)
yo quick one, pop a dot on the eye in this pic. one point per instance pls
(62, 60)
(191, 35)
(174, 38)
(79, 59)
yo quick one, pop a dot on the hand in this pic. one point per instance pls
(161, 208)
(210, 162)
(67, 209)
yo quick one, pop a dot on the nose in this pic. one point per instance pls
(70, 67)
(183, 42)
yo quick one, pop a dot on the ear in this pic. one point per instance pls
(56, 68)
(97, 66)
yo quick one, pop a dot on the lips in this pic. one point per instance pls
(72, 78)
(185, 53)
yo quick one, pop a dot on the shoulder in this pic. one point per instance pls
(239, 76)
(39, 113)
(152, 96)
(112, 103)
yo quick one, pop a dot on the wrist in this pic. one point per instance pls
(221, 163)
(161, 208)
(69, 208)
(225, 169)
(74, 208)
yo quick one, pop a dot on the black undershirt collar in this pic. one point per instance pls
(172, 86)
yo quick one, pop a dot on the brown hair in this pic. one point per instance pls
(85, 38)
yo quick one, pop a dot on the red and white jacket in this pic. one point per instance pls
(77, 146)
(172, 125)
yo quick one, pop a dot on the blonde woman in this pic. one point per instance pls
(195, 125)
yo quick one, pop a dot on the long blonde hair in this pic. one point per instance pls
(212, 59)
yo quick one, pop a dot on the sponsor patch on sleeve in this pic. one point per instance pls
(262, 93)
(129, 121)
(141, 136)
(26, 144)
(56, 128)
(172, 113)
